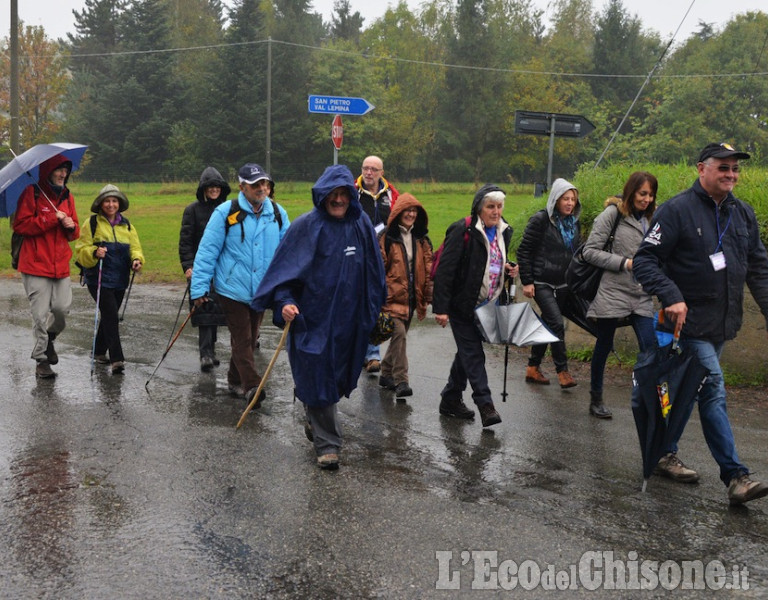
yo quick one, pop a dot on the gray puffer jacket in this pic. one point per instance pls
(619, 294)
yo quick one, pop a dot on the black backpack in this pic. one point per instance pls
(17, 238)
(238, 216)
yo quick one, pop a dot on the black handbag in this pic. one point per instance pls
(583, 278)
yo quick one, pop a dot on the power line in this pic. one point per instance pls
(416, 62)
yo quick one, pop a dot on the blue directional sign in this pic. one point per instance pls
(339, 105)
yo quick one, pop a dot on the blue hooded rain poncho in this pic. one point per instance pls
(331, 269)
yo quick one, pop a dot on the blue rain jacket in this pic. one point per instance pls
(236, 259)
(331, 269)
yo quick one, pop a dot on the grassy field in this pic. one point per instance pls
(155, 211)
(156, 208)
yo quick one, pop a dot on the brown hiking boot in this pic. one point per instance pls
(534, 375)
(43, 370)
(672, 467)
(566, 381)
(742, 489)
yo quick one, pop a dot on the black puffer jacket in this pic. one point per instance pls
(463, 271)
(673, 261)
(543, 256)
(193, 223)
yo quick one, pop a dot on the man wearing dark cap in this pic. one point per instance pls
(236, 248)
(47, 219)
(702, 246)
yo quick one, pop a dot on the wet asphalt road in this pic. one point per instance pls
(108, 491)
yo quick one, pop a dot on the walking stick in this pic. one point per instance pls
(178, 333)
(96, 319)
(128, 295)
(255, 398)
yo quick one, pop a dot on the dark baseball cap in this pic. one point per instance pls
(251, 173)
(721, 150)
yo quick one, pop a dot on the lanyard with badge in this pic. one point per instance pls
(718, 257)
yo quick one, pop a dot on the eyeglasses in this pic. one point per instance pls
(413, 211)
(723, 168)
(371, 170)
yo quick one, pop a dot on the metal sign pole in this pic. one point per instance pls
(335, 156)
(551, 151)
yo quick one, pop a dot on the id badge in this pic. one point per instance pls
(379, 228)
(718, 261)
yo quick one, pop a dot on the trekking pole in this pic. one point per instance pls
(178, 333)
(128, 295)
(255, 398)
(506, 360)
(96, 319)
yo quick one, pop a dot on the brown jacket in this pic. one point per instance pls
(400, 298)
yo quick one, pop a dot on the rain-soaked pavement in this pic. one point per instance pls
(108, 491)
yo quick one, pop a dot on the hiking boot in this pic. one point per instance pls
(328, 462)
(672, 467)
(251, 393)
(534, 375)
(456, 409)
(596, 406)
(50, 351)
(387, 382)
(373, 366)
(216, 361)
(43, 370)
(118, 367)
(206, 363)
(488, 414)
(403, 389)
(565, 379)
(101, 359)
(742, 489)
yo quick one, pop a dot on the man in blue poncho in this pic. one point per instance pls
(327, 277)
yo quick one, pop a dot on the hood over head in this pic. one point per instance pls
(482, 193)
(49, 166)
(210, 177)
(333, 177)
(559, 187)
(405, 201)
(107, 191)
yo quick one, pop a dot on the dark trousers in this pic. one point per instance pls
(468, 364)
(206, 340)
(108, 333)
(551, 306)
(606, 328)
(243, 324)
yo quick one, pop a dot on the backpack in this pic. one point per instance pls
(17, 238)
(436, 255)
(238, 216)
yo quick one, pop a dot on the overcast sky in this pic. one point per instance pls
(661, 15)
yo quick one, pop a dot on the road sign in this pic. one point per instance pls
(337, 132)
(339, 105)
(540, 123)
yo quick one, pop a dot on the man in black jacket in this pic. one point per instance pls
(702, 247)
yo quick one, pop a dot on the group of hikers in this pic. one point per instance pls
(363, 251)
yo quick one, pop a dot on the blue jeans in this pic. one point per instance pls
(712, 411)
(606, 328)
(372, 353)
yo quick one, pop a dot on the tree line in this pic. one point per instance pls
(160, 88)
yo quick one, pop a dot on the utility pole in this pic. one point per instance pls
(14, 37)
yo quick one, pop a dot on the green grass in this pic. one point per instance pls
(155, 211)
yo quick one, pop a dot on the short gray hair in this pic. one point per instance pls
(494, 196)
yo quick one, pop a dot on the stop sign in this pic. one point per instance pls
(337, 132)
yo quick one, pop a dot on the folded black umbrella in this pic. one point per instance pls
(665, 383)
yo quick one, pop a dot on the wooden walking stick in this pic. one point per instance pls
(255, 398)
